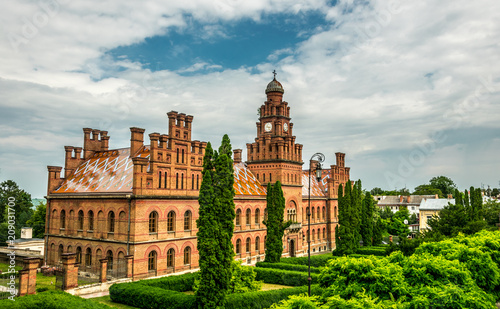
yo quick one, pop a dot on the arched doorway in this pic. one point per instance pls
(292, 248)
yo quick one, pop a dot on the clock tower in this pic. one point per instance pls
(274, 155)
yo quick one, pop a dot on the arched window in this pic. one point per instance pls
(159, 179)
(170, 258)
(263, 177)
(80, 220)
(91, 220)
(247, 245)
(238, 246)
(182, 155)
(63, 219)
(171, 221)
(88, 257)
(70, 249)
(265, 214)
(257, 244)
(152, 260)
(270, 178)
(335, 212)
(192, 181)
(318, 214)
(257, 216)
(182, 181)
(312, 235)
(60, 252)
(312, 213)
(238, 217)
(187, 256)
(177, 155)
(197, 182)
(319, 238)
(153, 222)
(109, 256)
(248, 217)
(79, 255)
(111, 222)
(165, 180)
(187, 220)
(324, 233)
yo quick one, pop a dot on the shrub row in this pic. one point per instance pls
(284, 277)
(316, 260)
(51, 300)
(377, 251)
(180, 283)
(294, 267)
(139, 296)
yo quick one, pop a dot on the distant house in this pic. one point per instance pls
(395, 202)
(430, 208)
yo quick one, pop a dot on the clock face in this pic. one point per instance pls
(268, 127)
(285, 127)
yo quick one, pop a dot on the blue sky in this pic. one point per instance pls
(408, 90)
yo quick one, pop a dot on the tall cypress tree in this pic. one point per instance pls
(367, 222)
(347, 235)
(275, 222)
(215, 226)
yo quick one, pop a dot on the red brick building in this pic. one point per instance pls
(142, 200)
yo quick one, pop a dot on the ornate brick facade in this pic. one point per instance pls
(142, 200)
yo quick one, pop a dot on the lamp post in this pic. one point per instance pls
(321, 158)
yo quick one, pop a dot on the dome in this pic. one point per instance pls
(274, 86)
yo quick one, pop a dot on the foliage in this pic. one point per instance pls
(243, 279)
(285, 266)
(37, 221)
(396, 226)
(180, 283)
(51, 300)
(275, 223)
(21, 210)
(316, 260)
(427, 189)
(443, 183)
(377, 251)
(491, 213)
(215, 226)
(378, 231)
(301, 301)
(376, 191)
(367, 219)
(347, 233)
(284, 277)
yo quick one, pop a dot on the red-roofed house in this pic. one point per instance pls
(142, 200)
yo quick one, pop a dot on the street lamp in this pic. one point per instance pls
(321, 158)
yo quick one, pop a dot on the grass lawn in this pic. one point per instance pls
(107, 300)
(265, 287)
(43, 281)
(4, 267)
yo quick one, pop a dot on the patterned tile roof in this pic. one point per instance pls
(104, 172)
(318, 189)
(245, 182)
(111, 172)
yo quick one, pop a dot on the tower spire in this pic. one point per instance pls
(274, 73)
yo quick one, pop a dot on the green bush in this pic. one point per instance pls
(42, 289)
(348, 276)
(378, 251)
(180, 283)
(285, 266)
(51, 300)
(316, 260)
(146, 296)
(284, 277)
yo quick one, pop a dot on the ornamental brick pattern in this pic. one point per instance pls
(141, 202)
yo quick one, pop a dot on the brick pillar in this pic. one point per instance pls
(130, 265)
(103, 270)
(23, 282)
(70, 277)
(31, 265)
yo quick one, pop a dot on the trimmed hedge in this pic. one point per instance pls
(293, 267)
(140, 296)
(180, 283)
(51, 300)
(284, 277)
(316, 260)
(377, 251)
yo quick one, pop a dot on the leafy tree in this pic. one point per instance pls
(21, 211)
(413, 219)
(491, 213)
(386, 213)
(347, 233)
(495, 192)
(37, 221)
(427, 190)
(367, 219)
(215, 226)
(443, 183)
(451, 221)
(376, 191)
(379, 229)
(397, 225)
(275, 223)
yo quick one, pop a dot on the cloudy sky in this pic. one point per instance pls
(407, 89)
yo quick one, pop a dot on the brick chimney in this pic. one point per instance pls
(237, 155)
(136, 140)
